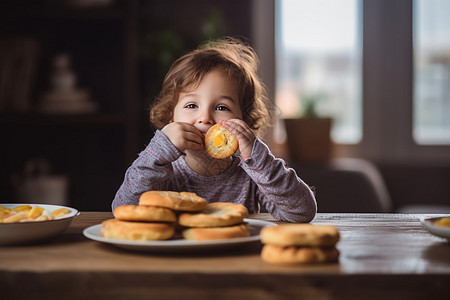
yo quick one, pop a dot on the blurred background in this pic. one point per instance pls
(362, 90)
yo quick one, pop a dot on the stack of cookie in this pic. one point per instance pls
(299, 244)
(218, 221)
(153, 219)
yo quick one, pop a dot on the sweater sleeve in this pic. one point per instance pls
(149, 171)
(280, 191)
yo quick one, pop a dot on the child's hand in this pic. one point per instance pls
(184, 136)
(243, 134)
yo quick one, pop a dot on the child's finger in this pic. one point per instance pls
(243, 134)
(193, 138)
(238, 128)
(189, 145)
(183, 135)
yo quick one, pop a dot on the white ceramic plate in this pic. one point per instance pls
(179, 244)
(440, 231)
(28, 232)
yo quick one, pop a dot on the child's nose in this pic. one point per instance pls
(206, 118)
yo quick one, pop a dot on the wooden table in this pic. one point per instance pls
(382, 255)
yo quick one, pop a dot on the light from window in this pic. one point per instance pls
(431, 106)
(318, 58)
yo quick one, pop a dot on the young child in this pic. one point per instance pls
(217, 83)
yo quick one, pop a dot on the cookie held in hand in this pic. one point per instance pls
(220, 143)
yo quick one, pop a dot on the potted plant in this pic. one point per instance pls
(308, 136)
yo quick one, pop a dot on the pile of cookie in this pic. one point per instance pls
(219, 220)
(299, 244)
(160, 215)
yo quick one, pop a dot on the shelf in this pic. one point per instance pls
(62, 119)
(61, 12)
(95, 149)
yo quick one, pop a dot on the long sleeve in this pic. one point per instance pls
(262, 179)
(149, 171)
(280, 191)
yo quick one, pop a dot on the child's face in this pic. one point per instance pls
(216, 98)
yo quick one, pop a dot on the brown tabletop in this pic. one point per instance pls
(382, 255)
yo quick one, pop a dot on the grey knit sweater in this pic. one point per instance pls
(262, 181)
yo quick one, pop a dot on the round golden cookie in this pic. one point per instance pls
(298, 255)
(214, 215)
(300, 235)
(136, 231)
(216, 233)
(219, 142)
(183, 201)
(144, 213)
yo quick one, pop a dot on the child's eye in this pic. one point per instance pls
(222, 107)
(191, 105)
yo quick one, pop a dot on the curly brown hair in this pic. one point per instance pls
(238, 60)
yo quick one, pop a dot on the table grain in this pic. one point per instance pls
(381, 255)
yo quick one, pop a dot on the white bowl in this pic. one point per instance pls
(440, 231)
(27, 232)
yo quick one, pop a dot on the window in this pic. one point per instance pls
(318, 58)
(431, 119)
(399, 52)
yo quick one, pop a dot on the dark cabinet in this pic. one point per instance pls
(119, 53)
(91, 147)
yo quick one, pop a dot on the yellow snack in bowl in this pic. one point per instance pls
(443, 222)
(45, 216)
(60, 212)
(4, 210)
(35, 212)
(24, 207)
(26, 213)
(15, 217)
